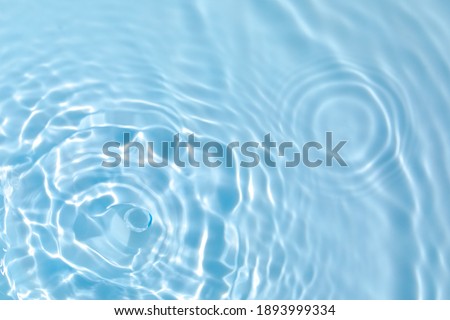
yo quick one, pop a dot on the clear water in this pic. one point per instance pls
(76, 74)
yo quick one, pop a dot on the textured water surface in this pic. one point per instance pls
(76, 74)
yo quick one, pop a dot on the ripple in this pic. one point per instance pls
(364, 107)
(121, 227)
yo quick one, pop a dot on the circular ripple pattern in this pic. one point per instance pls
(364, 107)
(93, 223)
(130, 231)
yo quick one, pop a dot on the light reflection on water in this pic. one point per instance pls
(76, 75)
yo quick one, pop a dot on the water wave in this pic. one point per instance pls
(372, 74)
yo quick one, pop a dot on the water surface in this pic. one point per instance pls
(74, 75)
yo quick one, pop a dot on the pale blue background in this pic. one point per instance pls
(76, 74)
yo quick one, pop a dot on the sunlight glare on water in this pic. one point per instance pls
(75, 75)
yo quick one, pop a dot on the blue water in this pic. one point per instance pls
(76, 74)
